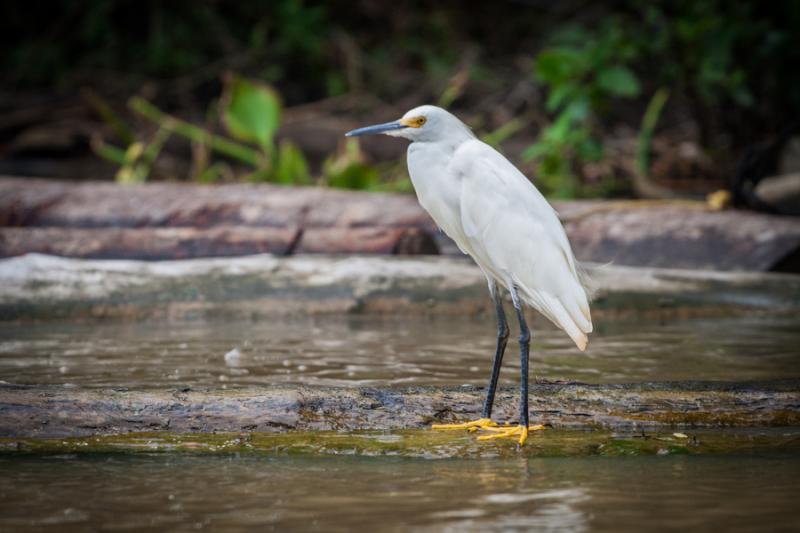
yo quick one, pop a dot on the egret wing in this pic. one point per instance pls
(516, 236)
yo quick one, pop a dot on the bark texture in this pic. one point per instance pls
(174, 221)
(40, 287)
(40, 412)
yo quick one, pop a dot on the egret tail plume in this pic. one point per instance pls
(573, 318)
(586, 281)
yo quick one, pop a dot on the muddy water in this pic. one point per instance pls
(184, 492)
(190, 493)
(355, 351)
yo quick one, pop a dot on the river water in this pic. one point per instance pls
(246, 493)
(388, 351)
(756, 491)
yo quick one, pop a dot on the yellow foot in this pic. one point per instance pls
(481, 423)
(510, 433)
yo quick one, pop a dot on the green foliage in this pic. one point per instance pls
(252, 112)
(647, 130)
(715, 54)
(618, 81)
(164, 39)
(290, 166)
(348, 170)
(702, 38)
(583, 71)
(731, 68)
(136, 161)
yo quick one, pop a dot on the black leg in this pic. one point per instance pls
(524, 353)
(502, 340)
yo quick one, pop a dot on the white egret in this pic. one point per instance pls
(497, 216)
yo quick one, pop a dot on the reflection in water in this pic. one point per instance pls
(387, 351)
(240, 493)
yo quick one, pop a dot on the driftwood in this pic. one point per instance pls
(40, 287)
(682, 234)
(42, 412)
(782, 192)
(171, 221)
(175, 221)
(147, 243)
(219, 241)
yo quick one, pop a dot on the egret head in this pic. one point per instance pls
(425, 123)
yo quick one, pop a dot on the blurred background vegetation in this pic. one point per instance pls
(625, 98)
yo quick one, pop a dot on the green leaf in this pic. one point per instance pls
(619, 81)
(348, 170)
(356, 176)
(556, 65)
(534, 151)
(559, 130)
(578, 110)
(291, 167)
(251, 111)
(560, 94)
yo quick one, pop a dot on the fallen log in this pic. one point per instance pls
(147, 243)
(682, 234)
(670, 234)
(41, 287)
(104, 220)
(219, 241)
(48, 411)
(48, 203)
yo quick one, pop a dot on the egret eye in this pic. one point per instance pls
(413, 122)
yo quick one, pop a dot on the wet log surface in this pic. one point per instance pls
(172, 221)
(49, 412)
(39, 287)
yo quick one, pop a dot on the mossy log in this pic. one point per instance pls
(49, 412)
(423, 443)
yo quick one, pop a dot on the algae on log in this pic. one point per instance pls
(422, 443)
(45, 412)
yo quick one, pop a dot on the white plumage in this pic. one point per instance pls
(497, 216)
(517, 237)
